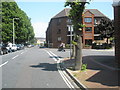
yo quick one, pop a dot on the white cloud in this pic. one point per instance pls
(40, 29)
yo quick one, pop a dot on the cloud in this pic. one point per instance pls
(40, 29)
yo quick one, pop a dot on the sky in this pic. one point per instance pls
(41, 12)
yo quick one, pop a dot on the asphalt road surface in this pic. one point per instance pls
(33, 68)
(38, 68)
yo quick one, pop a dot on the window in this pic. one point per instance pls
(59, 38)
(88, 42)
(58, 21)
(59, 31)
(88, 29)
(69, 21)
(88, 20)
(95, 21)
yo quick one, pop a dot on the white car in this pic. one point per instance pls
(14, 47)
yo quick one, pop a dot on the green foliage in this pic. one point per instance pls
(84, 67)
(74, 43)
(112, 38)
(75, 14)
(23, 28)
(67, 46)
(106, 28)
(87, 45)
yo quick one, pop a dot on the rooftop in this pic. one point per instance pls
(65, 13)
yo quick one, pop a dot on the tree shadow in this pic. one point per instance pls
(105, 76)
(108, 61)
(68, 63)
(46, 66)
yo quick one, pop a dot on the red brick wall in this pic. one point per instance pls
(55, 26)
(88, 35)
(117, 33)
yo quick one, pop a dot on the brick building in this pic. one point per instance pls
(116, 6)
(58, 32)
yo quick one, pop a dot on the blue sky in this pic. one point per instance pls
(41, 12)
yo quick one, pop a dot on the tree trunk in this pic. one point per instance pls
(107, 40)
(73, 52)
(78, 56)
(107, 43)
(73, 49)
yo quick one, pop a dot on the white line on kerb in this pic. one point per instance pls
(3, 64)
(15, 56)
(51, 55)
(59, 69)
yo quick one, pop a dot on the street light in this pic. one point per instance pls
(14, 30)
(70, 28)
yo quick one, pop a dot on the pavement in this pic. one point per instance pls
(101, 72)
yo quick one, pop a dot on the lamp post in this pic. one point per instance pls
(70, 27)
(14, 30)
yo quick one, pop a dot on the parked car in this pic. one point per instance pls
(11, 48)
(20, 46)
(3, 49)
(40, 46)
(29, 45)
(14, 47)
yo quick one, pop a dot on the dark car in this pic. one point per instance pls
(3, 49)
(20, 46)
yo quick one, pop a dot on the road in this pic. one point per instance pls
(38, 68)
(33, 68)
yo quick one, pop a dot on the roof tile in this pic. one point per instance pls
(65, 13)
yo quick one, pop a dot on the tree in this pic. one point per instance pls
(106, 28)
(75, 14)
(23, 27)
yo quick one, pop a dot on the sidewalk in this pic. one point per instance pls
(100, 73)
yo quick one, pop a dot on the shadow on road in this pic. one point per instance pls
(46, 66)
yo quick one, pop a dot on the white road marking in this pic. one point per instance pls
(3, 64)
(51, 55)
(55, 57)
(63, 76)
(22, 52)
(15, 56)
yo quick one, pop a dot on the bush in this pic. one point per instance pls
(87, 45)
(84, 67)
(67, 46)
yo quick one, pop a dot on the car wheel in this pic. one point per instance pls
(1, 52)
(6, 52)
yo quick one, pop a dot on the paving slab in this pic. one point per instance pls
(97, 74)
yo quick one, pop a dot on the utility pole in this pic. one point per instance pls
(70, 28)
(14, 30)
